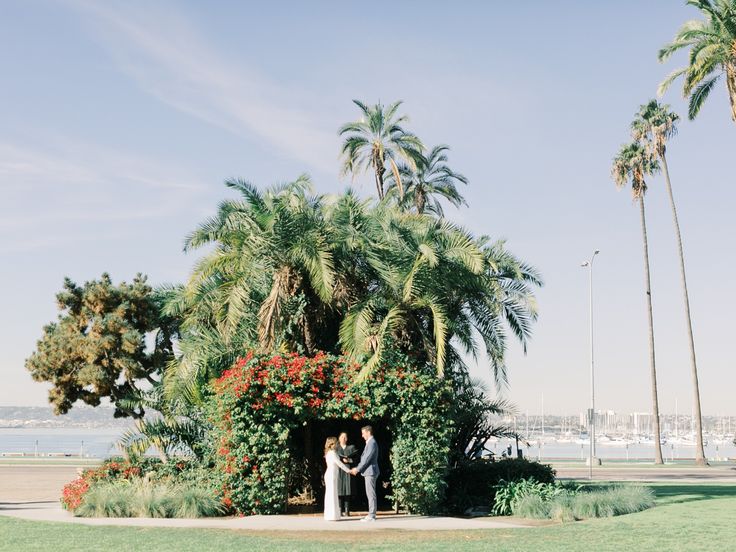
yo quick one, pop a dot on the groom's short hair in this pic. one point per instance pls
(367, 428)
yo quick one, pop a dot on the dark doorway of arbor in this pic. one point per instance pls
(307, 444)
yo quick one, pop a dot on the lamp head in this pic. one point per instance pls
(585, 263)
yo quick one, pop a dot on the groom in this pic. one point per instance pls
(368, 468)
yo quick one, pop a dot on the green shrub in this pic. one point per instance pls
(562, 507)
(145, 498)
(531, 506)
(613, 501)
(473, 483)
(563, 503)
(509, 494)
(156, 500)
(114, 499)
(194, 502)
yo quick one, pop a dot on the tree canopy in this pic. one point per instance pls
(97, 347)
(296, 272)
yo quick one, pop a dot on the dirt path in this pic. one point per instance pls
(24, 483)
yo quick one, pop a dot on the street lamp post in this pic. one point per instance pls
(591, 417)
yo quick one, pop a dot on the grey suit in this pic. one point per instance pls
(368, 468)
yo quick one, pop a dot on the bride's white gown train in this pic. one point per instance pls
(332, 501)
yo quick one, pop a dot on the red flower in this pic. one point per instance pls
(73, 493)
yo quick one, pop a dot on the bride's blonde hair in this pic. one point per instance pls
(330, 444)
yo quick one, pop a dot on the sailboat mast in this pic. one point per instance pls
(542, 414)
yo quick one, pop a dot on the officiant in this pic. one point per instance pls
(348, 454)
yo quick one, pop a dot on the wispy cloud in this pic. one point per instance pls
(78, 164)
(53, 194)
(170, 59)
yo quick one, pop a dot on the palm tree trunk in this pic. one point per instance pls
(652, 363)
(699, 451)
(731, 84)
(379, 178)
(421, 199)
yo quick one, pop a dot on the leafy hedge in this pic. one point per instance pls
(473, 483)
(259, 401)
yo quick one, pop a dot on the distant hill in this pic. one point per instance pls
(43, 416)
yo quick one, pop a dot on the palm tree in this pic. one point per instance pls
(278, 239)
(439, 292)
(267, 284)
(377, 139)
(654, 125)
(390, 280)
(712, 44)
(431, 178)
(175, 429)
(630, 166)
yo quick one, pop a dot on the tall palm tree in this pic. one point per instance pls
(655, 124)
(712, 44)
(432, 178)
(630, 166)
(378, 139)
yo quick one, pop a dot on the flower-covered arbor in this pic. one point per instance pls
(259, 404)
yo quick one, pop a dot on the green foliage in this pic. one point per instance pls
(633, 164)
(292, 272)
(530, 499)
(473, 482)
(533, 506)
(653, 125)
(475, 418)
(422, 186)
(712, 53)
(258, 403)
(168, 435)
(695, 517)
(145, 498)
(174, 473)
(379, 141)
(114, 499)
(509, 494)
(614, 501)
(97, 347)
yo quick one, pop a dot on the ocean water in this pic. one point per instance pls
(95, 443)
(100, 443)
(569, 451)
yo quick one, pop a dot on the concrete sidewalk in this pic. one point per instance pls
(52, 511)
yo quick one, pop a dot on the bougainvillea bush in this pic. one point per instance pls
(256, 405)
(73, 493)
(179, 472)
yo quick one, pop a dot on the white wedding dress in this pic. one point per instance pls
(332, 501)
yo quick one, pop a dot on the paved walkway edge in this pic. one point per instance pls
(44, 511)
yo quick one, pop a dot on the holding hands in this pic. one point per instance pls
(354, 471)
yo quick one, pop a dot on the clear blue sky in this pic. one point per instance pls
(119, 122)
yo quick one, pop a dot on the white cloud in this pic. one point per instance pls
(169, 59)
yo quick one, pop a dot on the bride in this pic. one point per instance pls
(332, 501)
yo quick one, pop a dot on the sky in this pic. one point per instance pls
(119, 122)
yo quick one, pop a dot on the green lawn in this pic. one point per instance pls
(687, 517)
